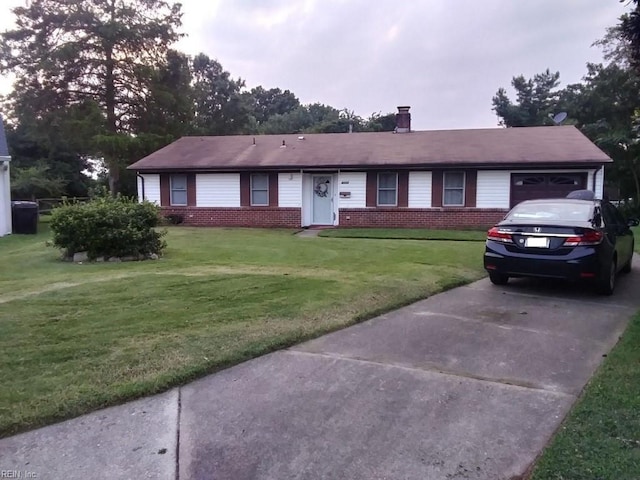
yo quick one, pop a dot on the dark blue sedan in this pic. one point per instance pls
(565, 238)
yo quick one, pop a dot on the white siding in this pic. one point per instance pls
(139, 188)
(218, 190)
(599, 190)
(151, 187)
(307, 192)
(356, 184)
(493, 189)
(494, 186)
(419, 189)
(5, 198)
(290, 190)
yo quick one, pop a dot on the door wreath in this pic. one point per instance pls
(322, 189)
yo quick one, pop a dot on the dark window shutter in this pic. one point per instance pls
(403, 189)
(191, 189)
(165, 190)
(436, 188)
(273, 189)
(470, 187)
(372, 189)
(245, 189)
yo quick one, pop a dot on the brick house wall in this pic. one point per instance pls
(486, 201)
(421, 218)
(273, 216)
(238, 217)
(357, 217)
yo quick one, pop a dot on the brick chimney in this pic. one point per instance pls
(403, 120)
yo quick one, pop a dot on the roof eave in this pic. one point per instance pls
(585, 163)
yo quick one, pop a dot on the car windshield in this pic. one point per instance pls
(553, 211)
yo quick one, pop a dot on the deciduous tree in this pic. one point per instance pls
(629, 28)
(381, 123)
(30, 183)
(264, 104)
(604, 106)
(59, 140)
(536, 99)
(219, 107)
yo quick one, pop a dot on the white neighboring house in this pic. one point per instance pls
(5, 189)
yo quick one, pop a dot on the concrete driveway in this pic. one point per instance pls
(468, 384)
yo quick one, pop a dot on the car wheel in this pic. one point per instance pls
(627, 266)
(607, 282)
(498, 278)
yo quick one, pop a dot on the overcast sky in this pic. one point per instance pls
(444, 58)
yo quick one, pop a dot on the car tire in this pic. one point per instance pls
(627, 266)
(498, 278)
(607, 282)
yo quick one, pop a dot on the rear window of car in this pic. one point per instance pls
(555, 211)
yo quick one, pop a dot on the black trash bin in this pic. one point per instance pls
(24, 217)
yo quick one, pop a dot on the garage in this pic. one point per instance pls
(530, 186)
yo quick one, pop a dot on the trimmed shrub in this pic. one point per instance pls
(175, 219)
(107, 226)
(629, 209)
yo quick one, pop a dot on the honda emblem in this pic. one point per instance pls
(536, 229)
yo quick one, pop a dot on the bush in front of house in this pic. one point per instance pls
(107, 227)
(629, 208)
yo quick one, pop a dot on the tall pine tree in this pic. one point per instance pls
(66, 52)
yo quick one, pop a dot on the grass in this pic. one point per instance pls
(80, 337)
(636, 234)
(600, 439)
(406, 234)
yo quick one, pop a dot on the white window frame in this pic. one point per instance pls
(444, 188)
(395, 204)
(173, 189)
(251, 190)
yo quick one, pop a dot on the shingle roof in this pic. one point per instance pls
(4, 148)
(558, 145)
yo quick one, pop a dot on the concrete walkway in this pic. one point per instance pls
(309, 233)
(468, 384)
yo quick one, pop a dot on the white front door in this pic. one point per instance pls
(322, 200)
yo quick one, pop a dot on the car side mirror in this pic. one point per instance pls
(633, 222)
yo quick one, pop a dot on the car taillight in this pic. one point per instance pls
(495, 234)
(590, 237)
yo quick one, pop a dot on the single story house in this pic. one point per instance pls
(5, 188)
(439, 179)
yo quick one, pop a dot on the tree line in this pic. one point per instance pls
(605, 105)
(98, 86)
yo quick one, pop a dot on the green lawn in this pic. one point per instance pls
(406, 234)
(601, 437)
(79, 337)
